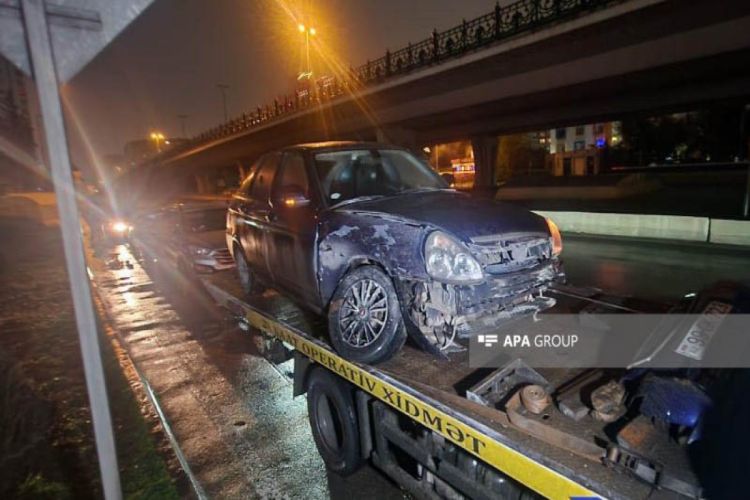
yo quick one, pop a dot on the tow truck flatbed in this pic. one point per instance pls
(432, 393)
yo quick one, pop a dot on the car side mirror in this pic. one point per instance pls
(449, 178)
(293, 197)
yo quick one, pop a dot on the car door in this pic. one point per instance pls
(238, 205)
(254, 211)
(293, 228)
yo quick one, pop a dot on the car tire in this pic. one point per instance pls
(245, 274)
(379, 331)
(333, 421)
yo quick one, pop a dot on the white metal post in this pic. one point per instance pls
(43, 67)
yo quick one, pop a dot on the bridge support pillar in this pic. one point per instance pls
(485, 155)
(398, 136)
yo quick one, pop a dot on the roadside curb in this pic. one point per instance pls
(663, 227)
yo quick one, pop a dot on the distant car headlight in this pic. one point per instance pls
(120, 227)
(555, 237)
(448, 260)
(199, 251)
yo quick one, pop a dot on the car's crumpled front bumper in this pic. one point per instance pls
(470, 309)
(504, 290)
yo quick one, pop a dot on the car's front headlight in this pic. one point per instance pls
(555, 237)
(120, 226)
(199, 251)
(448, 260)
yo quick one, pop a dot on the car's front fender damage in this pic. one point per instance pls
(435, 313)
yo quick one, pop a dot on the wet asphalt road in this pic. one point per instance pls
(232, 412)
(654, 270)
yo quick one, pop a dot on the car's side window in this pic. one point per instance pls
(261, 186)
(293, 177)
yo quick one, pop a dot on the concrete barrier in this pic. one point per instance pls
(665, 227)
(730, 232)
(670, 227)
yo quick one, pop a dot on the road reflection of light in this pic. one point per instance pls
(123, 253)
(611, 275)
(125, 257)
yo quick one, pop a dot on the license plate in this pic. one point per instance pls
(702, 330)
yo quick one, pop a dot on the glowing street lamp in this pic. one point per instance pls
(158, 138)
(308, 32)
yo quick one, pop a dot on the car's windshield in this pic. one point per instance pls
(351, 174)
(198, 221)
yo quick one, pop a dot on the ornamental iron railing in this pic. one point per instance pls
(523, 16)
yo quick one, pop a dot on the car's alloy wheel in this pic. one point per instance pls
(364, 316)
(364, 313)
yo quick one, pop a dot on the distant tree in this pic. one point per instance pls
(517, 155)
(689, 137)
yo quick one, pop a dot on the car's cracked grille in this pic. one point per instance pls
(502, 254)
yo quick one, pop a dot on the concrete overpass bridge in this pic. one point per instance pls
(534, 64)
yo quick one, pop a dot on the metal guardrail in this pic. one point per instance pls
(522, 16)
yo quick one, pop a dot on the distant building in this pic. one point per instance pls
(15, 111)
(578, 150)
(464, 171)
(22, 154)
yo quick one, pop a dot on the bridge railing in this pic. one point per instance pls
(522, 16)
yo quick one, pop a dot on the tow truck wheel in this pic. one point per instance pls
(247, 279)
(364, 317)
(333, 420)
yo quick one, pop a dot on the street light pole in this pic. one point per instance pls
(223, 89)
(183, 127)
(308, 31)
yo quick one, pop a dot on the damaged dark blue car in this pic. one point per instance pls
(371, 236)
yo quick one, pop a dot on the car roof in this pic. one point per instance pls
(341, 145)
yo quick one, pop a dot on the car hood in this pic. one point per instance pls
(207, 239)
(458, 213)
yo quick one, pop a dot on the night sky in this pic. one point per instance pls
(169, 61)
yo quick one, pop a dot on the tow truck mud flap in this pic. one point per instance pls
(475, 438)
